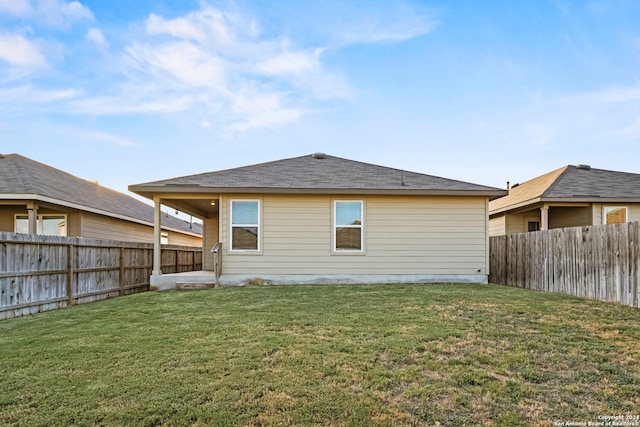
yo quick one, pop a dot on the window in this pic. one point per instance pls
(348, 235)
(245, 225)
(53, 225)
(533, 226)
(164, 238)
(614, 214)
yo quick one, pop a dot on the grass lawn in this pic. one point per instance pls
(323, 355)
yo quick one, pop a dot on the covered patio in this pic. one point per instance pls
(203, 206)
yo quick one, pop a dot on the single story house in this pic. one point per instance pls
(324, 219)
(38, 199)
(567, 197)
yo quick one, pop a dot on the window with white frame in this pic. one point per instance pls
(245, 225)
(53, 225)
(348, 226)
(614, 214)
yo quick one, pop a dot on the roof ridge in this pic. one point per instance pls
(18, 162)
(556, 180)
(356, 172)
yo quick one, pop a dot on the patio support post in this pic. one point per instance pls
(544, 217)
(32, 211)
(157, 227)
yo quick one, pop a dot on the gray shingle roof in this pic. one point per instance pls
(320, 173)
(20, 175)
(572, 183)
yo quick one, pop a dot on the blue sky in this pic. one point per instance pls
(126, 92)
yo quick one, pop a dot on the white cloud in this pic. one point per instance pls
(182, 61)
(218, 61)
(290, 63)
(179, 27)
(203, 26)
(20, 52)
(96, 36)
(60, 13)
(375, 31)
(50, 13)
(391, 22)
(110, 139)
(16, 96)
(16, 7)
(211, 60)
(138, 102)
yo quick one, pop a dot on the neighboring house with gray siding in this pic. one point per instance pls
(38, 199)
(319, 219)
(567, 197)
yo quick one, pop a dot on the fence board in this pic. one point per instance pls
(596, 261)
(39, 273)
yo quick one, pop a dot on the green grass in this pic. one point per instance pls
(323, 355)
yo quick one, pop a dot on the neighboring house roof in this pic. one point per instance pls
(317, 173)
(24, 179)
(572, 184)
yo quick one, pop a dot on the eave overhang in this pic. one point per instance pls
(75, 206)
(149, 191)
(565, 201)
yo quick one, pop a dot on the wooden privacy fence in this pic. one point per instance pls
(596, 261)
(39, 273)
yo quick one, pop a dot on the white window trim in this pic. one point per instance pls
(334, 249)
(611, 207)
(232, 225)
(39, 220)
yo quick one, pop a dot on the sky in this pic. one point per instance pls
(127, 92)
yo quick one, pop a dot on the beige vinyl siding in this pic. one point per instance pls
(102, 227)
(183, 239)
(515, 223)
(633, 211)
(7, 218)
(403, 235)
(497, 226)
(210, 232)
(74, 224)
(561, 216)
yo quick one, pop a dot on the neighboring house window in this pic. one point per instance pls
(245, 225)
(348, 226)
(164, 238)
(533, 225)
(614, 214)
(53, 225)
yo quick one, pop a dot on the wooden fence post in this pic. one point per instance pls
(121, 270)
(70, 274)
